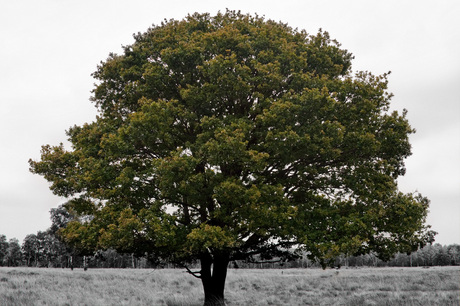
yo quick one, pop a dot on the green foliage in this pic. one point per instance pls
(240, 135)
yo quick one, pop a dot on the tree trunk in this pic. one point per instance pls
(213, 275)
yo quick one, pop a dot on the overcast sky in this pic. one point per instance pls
(49, 48)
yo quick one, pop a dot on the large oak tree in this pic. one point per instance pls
(229, 137)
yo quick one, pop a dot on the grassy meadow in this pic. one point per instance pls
(365, 286)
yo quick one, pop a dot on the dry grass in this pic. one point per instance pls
(379, 286)
(32, 286)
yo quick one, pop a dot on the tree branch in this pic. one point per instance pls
(193, 273)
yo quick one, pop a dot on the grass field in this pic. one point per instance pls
(367, 286)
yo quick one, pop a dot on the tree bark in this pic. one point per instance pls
(213, 275)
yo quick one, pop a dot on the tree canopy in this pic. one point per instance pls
(229, 136)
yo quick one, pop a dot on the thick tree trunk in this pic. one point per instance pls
(213, 275)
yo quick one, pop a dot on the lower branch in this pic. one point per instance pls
(196, 274)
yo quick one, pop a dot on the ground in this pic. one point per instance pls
(362, 286)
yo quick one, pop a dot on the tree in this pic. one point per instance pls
(226, 137)
(454, 253)
(59, 216)
(3, 248)
(31, 249)
(13, 255)
(442, 257)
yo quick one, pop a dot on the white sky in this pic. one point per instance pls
(49, 48)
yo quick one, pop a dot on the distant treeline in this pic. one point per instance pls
(44, 249)
(430, 255)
